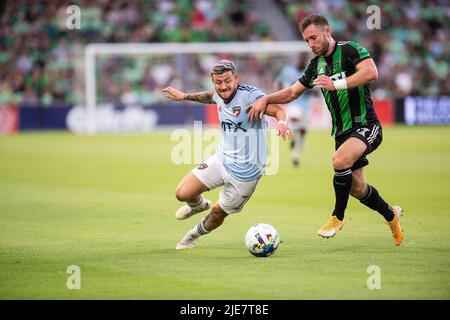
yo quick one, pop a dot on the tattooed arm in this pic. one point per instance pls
(176, 95)
(202, 97)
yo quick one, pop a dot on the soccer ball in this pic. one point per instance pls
(262, 240)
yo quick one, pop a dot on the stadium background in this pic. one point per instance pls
(42, 61)
(42, 80)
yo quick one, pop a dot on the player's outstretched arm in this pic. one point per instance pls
(257, 109)
(276, 111)
(177, 95)
(366, 71)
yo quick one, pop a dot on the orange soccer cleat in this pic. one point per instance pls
(331, 227)
(394, 225)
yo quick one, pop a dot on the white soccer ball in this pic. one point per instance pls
(262, 240)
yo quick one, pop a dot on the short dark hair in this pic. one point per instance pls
(316, 19)
(223, 66)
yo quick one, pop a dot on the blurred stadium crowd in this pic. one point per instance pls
(40, 58)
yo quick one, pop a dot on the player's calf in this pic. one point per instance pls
(215, 218)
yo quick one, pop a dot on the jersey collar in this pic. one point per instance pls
(332, 52)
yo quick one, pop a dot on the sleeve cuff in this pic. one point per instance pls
(355, 62)
(305, 84)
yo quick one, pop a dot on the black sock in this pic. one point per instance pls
(373, 200)
(342, 183)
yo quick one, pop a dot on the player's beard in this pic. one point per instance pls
(326, 47)
(222, 94)
(230, 96)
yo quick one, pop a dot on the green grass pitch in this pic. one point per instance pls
(106, 204)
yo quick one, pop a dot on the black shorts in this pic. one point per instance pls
(371, 135)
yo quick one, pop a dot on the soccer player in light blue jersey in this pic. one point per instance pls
(241, 156)
(298, 110)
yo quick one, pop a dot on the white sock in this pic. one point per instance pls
(199, 230)
(197, 205)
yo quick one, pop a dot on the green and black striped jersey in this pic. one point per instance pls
(349, 108)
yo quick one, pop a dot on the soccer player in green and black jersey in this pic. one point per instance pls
(342, 70)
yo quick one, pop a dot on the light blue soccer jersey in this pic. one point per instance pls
(243, 149)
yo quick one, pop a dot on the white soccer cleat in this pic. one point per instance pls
(188, 242)
(186, 211)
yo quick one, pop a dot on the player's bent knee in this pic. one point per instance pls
(181, 194)
(340, 163)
